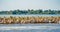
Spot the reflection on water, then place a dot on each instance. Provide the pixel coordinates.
(30, 28)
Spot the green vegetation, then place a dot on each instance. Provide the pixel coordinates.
(40, 11)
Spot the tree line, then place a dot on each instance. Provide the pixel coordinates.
(31, 11)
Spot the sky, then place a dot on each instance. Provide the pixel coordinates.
(29, 4)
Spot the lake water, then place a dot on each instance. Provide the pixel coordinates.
(32, 15)
(29, 27)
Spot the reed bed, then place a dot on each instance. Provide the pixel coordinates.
(29, 19)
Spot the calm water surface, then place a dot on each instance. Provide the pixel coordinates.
(33, 15)
(29, 27)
